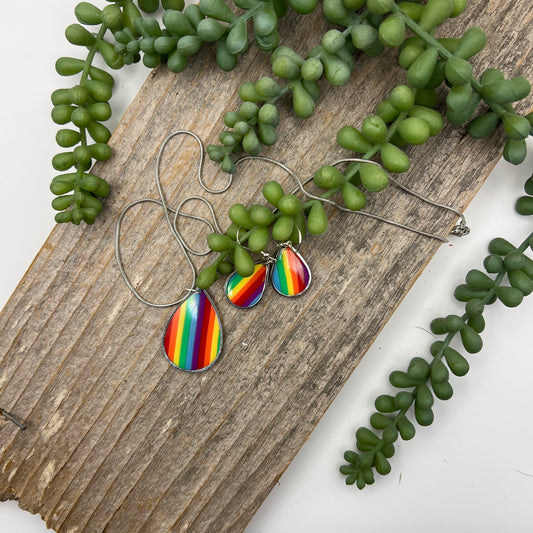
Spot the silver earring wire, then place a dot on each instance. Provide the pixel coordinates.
(290, 243)
(238, 241)
(459, 230)
(267, 258)
(172, 224)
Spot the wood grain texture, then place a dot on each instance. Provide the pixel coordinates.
(117, 439)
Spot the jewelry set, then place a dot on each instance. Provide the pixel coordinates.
(192, 340)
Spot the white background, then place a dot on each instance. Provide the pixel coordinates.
(471, 471)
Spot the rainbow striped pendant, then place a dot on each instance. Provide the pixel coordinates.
(291, 275)
(246, 292)
(193, 337)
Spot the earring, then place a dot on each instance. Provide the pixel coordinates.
(291, 275)
(245, 292)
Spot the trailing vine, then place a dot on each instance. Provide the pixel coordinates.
(86, 106)
(508, 277)
(369, 26)
(429, 63)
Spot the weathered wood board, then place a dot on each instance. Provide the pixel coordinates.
(117, 439)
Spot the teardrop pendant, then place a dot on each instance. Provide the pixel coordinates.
(193, 336)
(291, 275)
(246, 292)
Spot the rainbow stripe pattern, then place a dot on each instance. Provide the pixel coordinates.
(193, 338)
(291, 275)
(246, 292)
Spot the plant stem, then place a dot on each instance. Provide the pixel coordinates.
(497, 282)
(83, 81)
(91, 54)
(417, 30)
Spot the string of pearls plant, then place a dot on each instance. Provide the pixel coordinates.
(123, 35)
(507, 278)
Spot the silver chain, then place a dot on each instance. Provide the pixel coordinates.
(459, 230)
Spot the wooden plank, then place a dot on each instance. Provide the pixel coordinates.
(119, 440)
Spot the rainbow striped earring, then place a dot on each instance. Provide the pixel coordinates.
(291, 275)
(245, 292)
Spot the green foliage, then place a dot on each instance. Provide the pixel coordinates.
(124, 36)
(85, 104)
(127, 36)
(508, 278)
(407, 116)
(185, 31)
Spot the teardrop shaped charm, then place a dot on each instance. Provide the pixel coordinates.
(193, 337)
(246, 292)
(291, 275)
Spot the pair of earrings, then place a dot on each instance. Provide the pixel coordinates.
(192, 340)
(289, 273)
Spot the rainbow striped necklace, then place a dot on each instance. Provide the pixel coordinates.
(193, 336)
